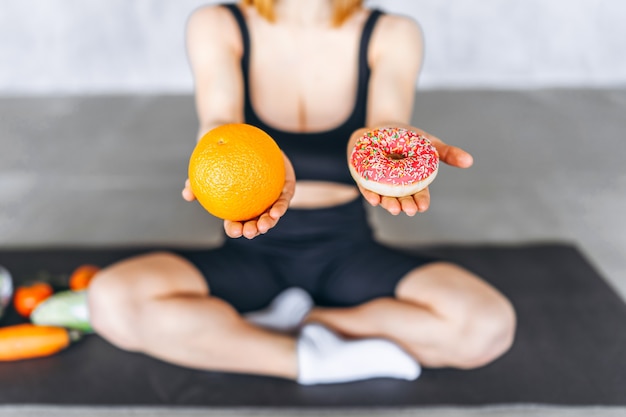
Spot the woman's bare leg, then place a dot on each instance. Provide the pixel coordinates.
(442, 314)
(159, 304)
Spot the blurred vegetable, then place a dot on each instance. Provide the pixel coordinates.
(25, 341)
(6, 289)
(82, 276)
(66, 309)
(27, 297)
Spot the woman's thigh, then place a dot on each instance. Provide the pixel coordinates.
(244, 280)
(449, 289)
(150, 275)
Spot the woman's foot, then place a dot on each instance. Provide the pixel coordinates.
(326, 358)
(286, 312)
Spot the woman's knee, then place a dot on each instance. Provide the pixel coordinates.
(486, 332)
(117, 294)
(478, 322)
(112, 308)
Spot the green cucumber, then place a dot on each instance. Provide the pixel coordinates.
(65, 309)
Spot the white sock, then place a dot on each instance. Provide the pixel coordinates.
(286, 312)
(325, 358)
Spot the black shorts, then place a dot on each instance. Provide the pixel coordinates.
(330, 252)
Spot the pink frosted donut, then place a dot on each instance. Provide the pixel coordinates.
(393, 162)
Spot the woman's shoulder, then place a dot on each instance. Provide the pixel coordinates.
(396, 31)
(393, 27)
(213, 23)
(208, 14)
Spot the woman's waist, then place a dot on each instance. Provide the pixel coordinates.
(347, 220)
(328, 209)
(322, 194)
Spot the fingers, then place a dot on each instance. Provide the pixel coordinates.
(370, 196)
(391, 204)
(422, 200)
(265, 223)
(282, 204)
(187, 193)
(454, 156)
(279, 208)
(233, 229)
(251, 228)
(411, 205)
(248, 229)
(451, 155)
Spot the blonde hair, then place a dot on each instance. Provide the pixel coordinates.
(342, 9)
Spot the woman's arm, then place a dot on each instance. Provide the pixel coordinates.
(214, 55)
(214, 62)
(214, 52)
(395, 59)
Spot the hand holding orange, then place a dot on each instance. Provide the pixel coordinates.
(236, 172)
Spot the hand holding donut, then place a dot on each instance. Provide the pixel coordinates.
(393, 166)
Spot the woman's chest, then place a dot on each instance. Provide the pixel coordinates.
(303, 79)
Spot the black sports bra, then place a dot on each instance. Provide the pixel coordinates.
(314, 155)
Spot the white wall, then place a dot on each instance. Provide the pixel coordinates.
(94, 46)
(521, 43)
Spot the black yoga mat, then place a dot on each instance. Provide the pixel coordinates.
(570, 348)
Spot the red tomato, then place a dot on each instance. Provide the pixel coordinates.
(27, 297)
(81, 277)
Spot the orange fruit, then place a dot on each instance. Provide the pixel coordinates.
(28, 296)
(82, 276)
(236, 171)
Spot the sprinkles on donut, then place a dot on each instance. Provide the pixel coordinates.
(393, 162)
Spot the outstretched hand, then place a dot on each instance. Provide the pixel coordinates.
(420, 201)
(261, 224)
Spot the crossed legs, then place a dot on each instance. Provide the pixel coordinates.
(159, 304)
(442, 314)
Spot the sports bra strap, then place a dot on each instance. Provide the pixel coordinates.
(368, 29)
(245, 36)
(366, 35)
(364, 67)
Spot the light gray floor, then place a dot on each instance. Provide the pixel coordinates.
(496, 411)
(108, 170)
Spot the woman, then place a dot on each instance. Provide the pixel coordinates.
(314, 75)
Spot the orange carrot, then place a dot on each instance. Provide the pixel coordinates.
(25, 341)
